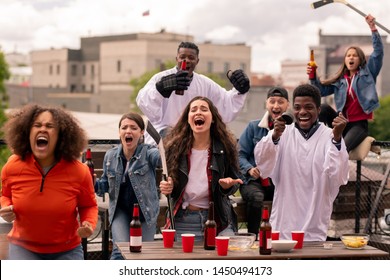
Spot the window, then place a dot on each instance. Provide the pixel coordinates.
(92, 88)
(118, 66)
(72, 88)
(58, 69)
(73, 70)
(84, 69)
(92, 70)
(210, 67)
(50, 69)
(83, 88)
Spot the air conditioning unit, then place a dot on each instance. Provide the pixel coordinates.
(385, 221)
(387, 217)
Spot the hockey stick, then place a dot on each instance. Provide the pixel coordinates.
(157, 137)
(321, 3)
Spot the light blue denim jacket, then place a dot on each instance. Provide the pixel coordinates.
(363, 84)
(252, 134)
(142, 174)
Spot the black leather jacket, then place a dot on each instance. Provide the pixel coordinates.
(224, 213)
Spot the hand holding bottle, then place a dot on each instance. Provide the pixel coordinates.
(312, 67)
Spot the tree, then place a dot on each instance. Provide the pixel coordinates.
(379, 128)
(139, 83)
(4, 75)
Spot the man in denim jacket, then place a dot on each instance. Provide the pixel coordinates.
(256, 189)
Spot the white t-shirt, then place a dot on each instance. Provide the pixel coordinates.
(196, 192)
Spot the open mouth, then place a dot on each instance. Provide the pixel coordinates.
(42, 142)
(199, 122)
(304, 119)
(276, 114)
(128, 139)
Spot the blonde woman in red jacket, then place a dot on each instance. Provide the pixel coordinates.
(46, 191)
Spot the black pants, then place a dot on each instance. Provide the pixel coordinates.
(353, 134)
(254, 194)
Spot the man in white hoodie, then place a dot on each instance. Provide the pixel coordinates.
(160, 102)
(307, 162)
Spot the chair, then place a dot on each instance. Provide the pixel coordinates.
(359, 154)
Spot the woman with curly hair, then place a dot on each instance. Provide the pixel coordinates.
(46, 191)
(202, 164)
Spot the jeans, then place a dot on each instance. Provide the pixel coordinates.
(17, 252)
(353, 134)
(187, 221)
(120, 230)
(254, 194)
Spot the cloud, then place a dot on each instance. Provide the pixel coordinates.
(275, 29)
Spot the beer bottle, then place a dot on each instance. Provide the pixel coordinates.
(183, 67)
(313, 65)
(89, 162)
(135, 231)
(210, 229)
(265, 240)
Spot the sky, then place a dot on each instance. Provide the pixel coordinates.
(276, 30)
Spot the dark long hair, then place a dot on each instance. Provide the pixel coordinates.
(343, 68)
(180, 139)
(72, 139)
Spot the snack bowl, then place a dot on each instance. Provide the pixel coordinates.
(355, 240)
(283, 246)
(241, 241)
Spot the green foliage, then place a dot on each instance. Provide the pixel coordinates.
(139, 83)
(379, 128)
(4, 75)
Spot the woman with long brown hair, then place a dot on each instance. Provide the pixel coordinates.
(203, 166)
(354, 89)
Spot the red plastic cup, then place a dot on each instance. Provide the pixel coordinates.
(275, 235)
(222, 244)
(168, 237)
(187, 241)
(298, 235)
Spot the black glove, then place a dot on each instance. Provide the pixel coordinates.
(239, 80)
(178, 81)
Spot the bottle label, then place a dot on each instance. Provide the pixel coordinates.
(135, 240)
(268, 239)
(210, 236)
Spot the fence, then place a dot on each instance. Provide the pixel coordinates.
(359, 207)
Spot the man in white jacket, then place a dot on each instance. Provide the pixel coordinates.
(163, 107)
(308, 162)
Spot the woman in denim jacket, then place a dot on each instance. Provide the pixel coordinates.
(129, 177)
(354, 89)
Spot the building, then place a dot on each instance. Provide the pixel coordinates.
(96, 77)
(329, 55)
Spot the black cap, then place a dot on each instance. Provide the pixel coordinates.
(278, 91)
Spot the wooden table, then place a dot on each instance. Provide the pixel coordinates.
(311, 250)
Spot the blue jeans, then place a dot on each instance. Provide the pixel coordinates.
(17, 252)
(120, 230)
(187, 221)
